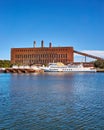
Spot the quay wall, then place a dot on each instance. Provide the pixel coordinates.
(12, 70)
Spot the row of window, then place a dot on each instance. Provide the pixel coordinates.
(37, 61)
(40, 50)
(42, 56)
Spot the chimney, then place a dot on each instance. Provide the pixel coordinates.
(50, 44)
(34, 44)
(42, 43)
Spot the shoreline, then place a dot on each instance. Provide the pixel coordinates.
(9, 70)
(99, 70)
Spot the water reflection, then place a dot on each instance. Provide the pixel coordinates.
(51, 101)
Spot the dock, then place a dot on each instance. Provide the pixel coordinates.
(12, 70)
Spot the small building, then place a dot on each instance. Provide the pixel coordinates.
(41, 55)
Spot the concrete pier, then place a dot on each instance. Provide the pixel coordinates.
(12, 70)
(100, 70)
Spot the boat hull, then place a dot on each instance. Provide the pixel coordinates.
(72, 70)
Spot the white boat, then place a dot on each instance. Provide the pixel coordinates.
(60, 67)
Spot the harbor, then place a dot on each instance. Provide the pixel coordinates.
(25, 60)
(10, 70)
(19, 71)
(51, 67)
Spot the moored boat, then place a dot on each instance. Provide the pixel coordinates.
(60, 67)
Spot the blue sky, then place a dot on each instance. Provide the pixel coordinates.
(77, 23)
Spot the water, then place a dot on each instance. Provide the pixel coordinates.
(52, 101)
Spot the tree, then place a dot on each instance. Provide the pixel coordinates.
(5, 63)
(99, 64)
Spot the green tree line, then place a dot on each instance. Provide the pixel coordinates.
(5, 63)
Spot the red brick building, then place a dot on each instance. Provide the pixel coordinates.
(41, 55)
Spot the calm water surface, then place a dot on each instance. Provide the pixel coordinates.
(52, 101)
